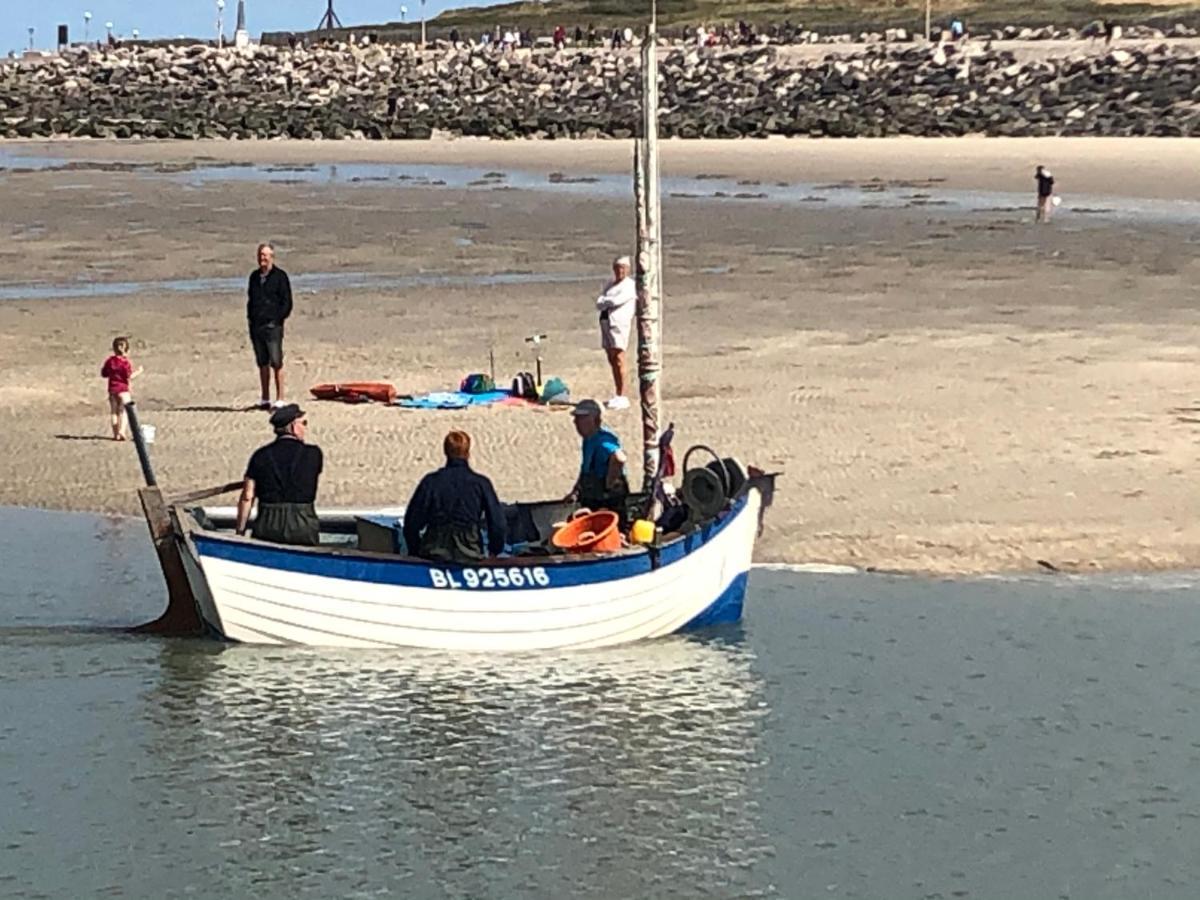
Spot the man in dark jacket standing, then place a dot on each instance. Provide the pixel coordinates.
(442, 520)
(269, 306)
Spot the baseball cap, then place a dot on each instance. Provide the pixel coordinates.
(286, 415)
(587, 407)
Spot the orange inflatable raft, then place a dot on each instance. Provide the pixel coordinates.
(355, 391)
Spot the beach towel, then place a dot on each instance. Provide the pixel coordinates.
(459, 400)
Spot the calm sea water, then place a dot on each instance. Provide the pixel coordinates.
(858, 736)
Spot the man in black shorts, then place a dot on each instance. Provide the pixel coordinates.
(269, 306)
(1045, 194)
(282, 476)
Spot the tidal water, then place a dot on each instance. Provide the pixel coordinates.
(311, 282)
(868, 193)
(858, 736)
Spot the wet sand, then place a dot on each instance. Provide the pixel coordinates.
(945, 390)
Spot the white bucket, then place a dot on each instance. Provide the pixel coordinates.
(148, 434)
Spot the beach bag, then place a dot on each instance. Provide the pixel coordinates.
(556, 391)
(524, 386)
(477, 383)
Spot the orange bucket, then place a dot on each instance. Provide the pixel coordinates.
(593, 533)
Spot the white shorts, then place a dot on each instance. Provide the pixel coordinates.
(614, 334)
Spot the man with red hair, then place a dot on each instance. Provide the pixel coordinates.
(444, 517)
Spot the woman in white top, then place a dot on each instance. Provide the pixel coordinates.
(617, 305)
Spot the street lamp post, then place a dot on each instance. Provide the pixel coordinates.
(30, 37)
(136, 34)
(403, 13)
(220, 24)
(422, 24)
(87, 21)
(108, 26)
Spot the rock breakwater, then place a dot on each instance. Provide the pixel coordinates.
(393, 92)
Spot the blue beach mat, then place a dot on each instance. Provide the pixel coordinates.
(452, 400)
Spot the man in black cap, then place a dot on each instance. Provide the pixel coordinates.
(283, 477)
(601, 483)
(442, 520)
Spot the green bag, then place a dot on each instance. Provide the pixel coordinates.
(477, 383)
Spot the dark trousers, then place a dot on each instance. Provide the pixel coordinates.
(287, 523)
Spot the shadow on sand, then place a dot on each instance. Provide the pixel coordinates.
(254, 407)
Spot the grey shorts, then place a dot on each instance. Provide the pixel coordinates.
(267, 341)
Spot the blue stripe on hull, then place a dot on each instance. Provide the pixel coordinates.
(725, 609)
(564, 571)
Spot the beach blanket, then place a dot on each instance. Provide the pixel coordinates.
(459, 400)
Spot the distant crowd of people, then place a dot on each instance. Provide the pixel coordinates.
(741, 33)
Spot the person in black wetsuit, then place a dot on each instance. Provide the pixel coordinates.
(282, 476)
(1045, 194)
(442, 520)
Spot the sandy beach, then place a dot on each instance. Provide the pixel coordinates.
(946, 387)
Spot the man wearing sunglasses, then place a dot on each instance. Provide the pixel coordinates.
(282, 476)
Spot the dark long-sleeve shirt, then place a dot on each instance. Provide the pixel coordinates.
(457, 497)
(270, 298)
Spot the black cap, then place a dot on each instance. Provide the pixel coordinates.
(285, 416)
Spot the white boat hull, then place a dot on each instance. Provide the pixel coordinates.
(268, 594)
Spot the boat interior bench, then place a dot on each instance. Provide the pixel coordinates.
(529, 526)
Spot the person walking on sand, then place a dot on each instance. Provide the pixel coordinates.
(120, 372)
(1045, 194)
(617, 303)
(270, 304)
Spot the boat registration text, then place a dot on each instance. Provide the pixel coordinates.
(488, 579)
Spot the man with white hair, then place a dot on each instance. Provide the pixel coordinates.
(617, 305)
(269, 305)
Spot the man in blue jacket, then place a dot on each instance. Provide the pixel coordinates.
(270, 303)
(442, 520)
(601, 483)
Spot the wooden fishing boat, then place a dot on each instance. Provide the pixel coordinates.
(360, 588)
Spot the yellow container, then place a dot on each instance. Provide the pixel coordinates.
(642, 532)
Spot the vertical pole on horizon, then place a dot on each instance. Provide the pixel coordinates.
(649, 257)
(220, 24)
(422, 24)
(928, 20)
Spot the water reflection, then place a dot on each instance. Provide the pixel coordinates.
(633, 768)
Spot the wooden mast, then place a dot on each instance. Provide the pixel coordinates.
(649, 258)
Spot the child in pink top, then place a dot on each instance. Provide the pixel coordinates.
(120, 372)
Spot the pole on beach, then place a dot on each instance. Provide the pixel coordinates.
(649, 258)
(928, 20)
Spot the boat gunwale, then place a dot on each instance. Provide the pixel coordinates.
(706, 530)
